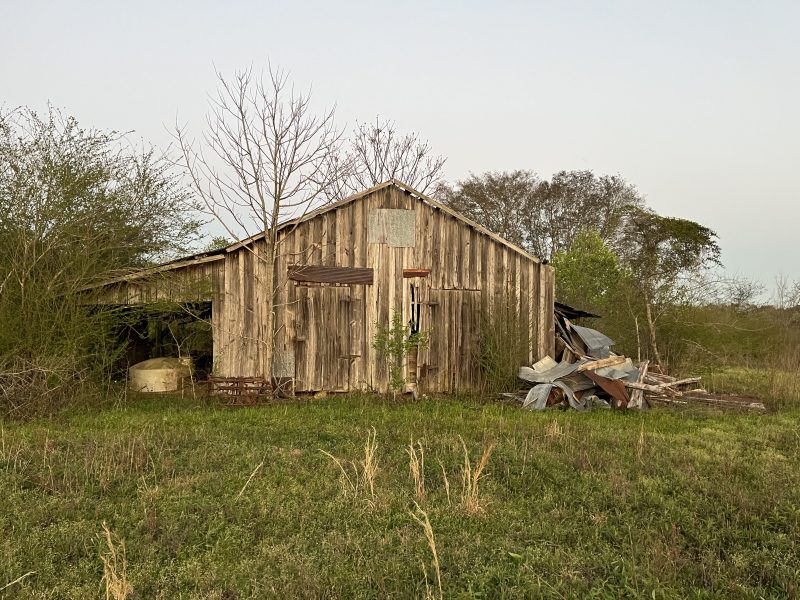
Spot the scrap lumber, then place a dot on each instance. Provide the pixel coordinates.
(637, 397)
(736, 402)
(581, 381)
(603, 362)
(686, 381)
(662, 387)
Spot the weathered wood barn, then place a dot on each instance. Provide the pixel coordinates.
(343, 270)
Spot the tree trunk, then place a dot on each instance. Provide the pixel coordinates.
(652, 328)
(268, 332)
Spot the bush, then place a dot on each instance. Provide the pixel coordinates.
(76, 206)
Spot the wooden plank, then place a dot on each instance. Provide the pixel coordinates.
(342, 300)
(550, 310)
(603, 362)
(358, 294)
(422, 249)
(677, 382)
(444, 359)
(635, 385)
(637, 397)
(542, 316)
(662, 386)
(144, 273)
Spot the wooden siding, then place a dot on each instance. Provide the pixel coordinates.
(330, 329)
(191, 283)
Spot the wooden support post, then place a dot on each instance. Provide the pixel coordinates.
(637, 397)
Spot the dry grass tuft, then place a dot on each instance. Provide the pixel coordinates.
(349, 486)
(421, 517)
(364, 471)
(115, 567)
(369, 467)
(416, 466)
(471, 477)
(554, 430)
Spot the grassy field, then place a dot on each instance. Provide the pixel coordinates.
(244, 503)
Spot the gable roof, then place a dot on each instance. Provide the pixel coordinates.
(386, 184)
(219, 254)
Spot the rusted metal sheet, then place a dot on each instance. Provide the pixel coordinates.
(407, 273)
(346, 275)
(613, 387)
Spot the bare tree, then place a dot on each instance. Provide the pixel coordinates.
(377, 152)
(262, 160)
(742, 293)
(500, 201)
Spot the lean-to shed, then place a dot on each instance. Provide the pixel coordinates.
(343, 270)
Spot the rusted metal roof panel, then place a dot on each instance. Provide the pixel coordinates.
(346, 275)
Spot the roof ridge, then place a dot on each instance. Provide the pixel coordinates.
(185, 260)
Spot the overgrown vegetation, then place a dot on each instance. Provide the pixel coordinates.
(503, 345)
(650, 277)
(704, 322)
(393, 345)
(242, 504)
(76, 206)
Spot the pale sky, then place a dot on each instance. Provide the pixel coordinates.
(696, 103)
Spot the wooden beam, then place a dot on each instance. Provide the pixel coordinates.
(637, 397)
(601, 363)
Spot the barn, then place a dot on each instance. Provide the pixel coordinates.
(342, 272)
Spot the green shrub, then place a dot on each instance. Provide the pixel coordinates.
(393, 345)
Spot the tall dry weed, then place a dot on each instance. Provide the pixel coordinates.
(640, 443)
(249, 479)
(416, 467)
(472, 476)
(363, 471)
(553, 430)
(369, 466)
(19, 579)
(421, 517)
(115, 566)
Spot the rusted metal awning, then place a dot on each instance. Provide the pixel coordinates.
(340, 275)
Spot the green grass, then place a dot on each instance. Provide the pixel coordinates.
(604, 505)
(778, 388)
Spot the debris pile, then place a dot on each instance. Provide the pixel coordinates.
(589, 375)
